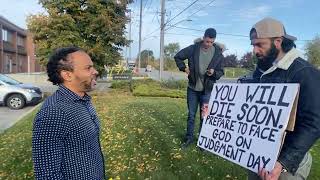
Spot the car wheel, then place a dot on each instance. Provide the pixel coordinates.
(15, 101)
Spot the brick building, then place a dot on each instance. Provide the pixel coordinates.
(16, 49)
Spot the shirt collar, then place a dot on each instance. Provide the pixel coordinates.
(71, 95)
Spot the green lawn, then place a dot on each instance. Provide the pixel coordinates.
(141, 137)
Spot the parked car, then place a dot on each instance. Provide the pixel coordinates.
(16, 95)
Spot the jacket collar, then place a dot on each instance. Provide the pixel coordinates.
(285, 62)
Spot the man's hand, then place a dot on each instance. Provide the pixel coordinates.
(187, 70)
(210, 72)
(204, 110)
(273, 175)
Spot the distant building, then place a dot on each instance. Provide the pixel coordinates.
(16, 49)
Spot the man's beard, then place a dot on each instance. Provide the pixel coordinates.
(265, 62)
(89, 86)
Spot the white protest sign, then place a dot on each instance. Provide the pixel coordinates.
(246, 122)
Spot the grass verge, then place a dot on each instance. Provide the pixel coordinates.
(140, 139)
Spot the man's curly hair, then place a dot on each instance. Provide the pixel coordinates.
(58, 61)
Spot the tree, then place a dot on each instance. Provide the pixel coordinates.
(248, 61)
(96, 26)
(170, 51)
(313, 51)
(230, 61)
(146, 58)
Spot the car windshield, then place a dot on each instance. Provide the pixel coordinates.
(8, 80)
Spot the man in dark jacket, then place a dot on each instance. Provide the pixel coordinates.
(204, 68)
(280, 62)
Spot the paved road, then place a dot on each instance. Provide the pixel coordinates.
(9, 117)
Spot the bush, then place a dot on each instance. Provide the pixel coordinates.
(175, 84)
(153, 88)
(146, 90)
(120, 85)
(149, 82)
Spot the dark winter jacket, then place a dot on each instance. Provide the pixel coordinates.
(293, 69)
(192, 53)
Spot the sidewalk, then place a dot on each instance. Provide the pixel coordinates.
(9, 117)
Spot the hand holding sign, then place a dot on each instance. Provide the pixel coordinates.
(210, 72)
(204, 111)
(187, 70)
(273, 175)
(243, 120)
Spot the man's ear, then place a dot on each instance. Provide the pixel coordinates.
(278, 42)
(66, 75)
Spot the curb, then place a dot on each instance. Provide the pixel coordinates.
(28, 112)
(21, 116)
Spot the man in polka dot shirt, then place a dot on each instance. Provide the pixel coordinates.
(65, 141)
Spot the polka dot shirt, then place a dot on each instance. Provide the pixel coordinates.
(65, 141)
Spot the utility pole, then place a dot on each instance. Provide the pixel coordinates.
(148, 56)
(140, 29)
(130, 23)
(162, 27)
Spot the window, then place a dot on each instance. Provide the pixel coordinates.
(21, 41)
(8, 80)
(9, 36)
(6, 35)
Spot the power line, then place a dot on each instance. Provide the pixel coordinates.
(152, 32)
(181, 11)
(227, 34)
(145, 4)
(182, 34)
(150, 4)
(174, 17)
(201, 8)
(186, 28)
(156, 13)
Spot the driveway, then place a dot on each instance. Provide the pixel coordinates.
(9, 117)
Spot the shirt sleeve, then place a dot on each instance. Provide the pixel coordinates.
(219, 69)
(49, 128)
(183, 55)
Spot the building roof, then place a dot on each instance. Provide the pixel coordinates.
(10, 26)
